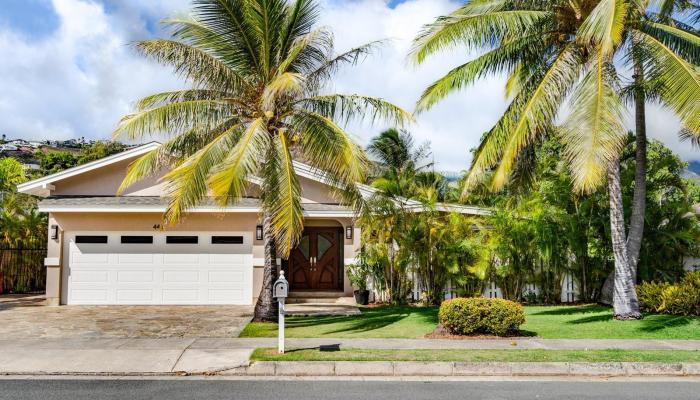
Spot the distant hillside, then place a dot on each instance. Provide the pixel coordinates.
(693, 171)
(694, 166)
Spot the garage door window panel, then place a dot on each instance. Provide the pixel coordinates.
(137, 239)
(182, 240)
(90, 239)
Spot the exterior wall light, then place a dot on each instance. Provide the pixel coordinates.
(259, 232)
(348, 232)
(54, 232)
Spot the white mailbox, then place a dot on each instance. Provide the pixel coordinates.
(280, 291)
(281, 288)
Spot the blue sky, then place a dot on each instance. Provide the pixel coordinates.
(67, 70)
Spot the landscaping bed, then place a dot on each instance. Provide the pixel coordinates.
(467, 355)
(547, 322)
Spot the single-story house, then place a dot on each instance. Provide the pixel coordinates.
(109, 249)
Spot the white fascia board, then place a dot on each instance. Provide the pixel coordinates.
(330, 214)
(446, 207)
(161, 209)
(43, 186)
(140, 209)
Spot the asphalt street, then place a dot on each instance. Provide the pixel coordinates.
(60, 389)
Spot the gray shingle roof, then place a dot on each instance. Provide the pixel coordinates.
(154, 201)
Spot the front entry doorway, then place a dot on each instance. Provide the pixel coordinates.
(315, 264)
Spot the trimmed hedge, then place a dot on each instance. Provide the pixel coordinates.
(682, 298)
(474, 315)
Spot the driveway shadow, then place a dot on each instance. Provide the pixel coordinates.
(10, 301)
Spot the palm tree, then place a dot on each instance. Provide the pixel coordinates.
(559, 49)
(258, 70)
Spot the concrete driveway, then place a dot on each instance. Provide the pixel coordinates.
(26, 317)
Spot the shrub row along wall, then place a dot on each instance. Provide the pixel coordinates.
(22, 270)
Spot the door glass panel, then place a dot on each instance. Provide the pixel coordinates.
(323, 246)
(304, 246)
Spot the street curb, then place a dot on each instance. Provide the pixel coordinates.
(513, 369)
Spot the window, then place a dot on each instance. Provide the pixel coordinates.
(91, 239)
(227, 240)
(137, 239)
(182, 239)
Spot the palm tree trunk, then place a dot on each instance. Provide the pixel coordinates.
(636, 231)
(266, 308)
(625, 303)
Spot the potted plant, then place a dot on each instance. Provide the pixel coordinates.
(358, 274)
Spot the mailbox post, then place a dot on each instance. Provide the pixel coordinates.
(280, 290)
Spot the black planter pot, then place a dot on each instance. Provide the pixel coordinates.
(361, 297)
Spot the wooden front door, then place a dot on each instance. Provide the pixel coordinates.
(315, 263)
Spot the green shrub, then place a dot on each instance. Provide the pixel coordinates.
(682, 298)
(650, 295)
(470, 315)
(358, 274)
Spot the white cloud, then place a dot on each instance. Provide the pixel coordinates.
(78, 81)
(81, 79)
(452, 127)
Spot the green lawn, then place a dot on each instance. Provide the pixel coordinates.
(466, 355)
(557, 322)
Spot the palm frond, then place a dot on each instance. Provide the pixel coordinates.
(178, 96)
(142, 167)
(307, 51)
(350, 57)
(684, 43)
(593, 134)
(605, 25)
(193, 32)
(488, 24)
(329, 148)
(500, 59)
(286, 84)
(344, 108)
(173, 119)
(228, 180)
(267, 18)
(230, 21)
(529, 114)
(301, 19)
(192, 63)
(681, 82)
(283, 196)
(187, 183)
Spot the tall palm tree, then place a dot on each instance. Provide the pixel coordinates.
(569, 49)
(258, 70)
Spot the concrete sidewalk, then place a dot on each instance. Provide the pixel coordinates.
(118, 356)
(485, 344)
(209, 355)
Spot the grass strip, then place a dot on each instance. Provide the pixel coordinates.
(548, 322)
(466, 355)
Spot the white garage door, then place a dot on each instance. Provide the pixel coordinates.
(158, 268)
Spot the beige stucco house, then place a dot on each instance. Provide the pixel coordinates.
(108, 249)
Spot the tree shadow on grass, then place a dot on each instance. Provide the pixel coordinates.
(658, 322)
(592, 318)
(573, 310)
(371, 319)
